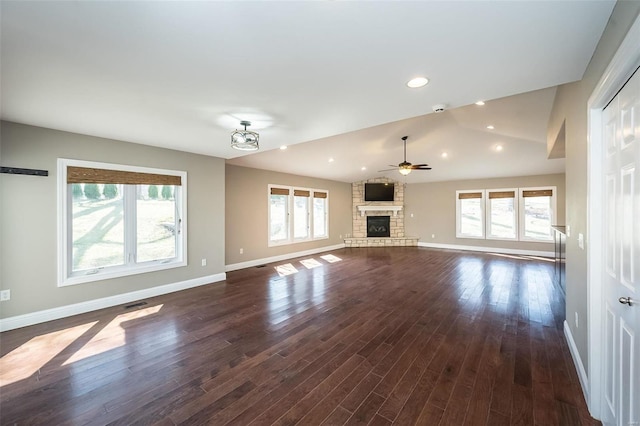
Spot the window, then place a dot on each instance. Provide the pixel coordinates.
(118, 220)
(526, 218)
(301, 214)
(278, 215)
(537, 213)
(320, 215)
(470, 214)
(297, 214)
(502, 214)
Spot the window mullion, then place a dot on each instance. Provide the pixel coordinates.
(130, 223)
(69, 228)
(291, 215)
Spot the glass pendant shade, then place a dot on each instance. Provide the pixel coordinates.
(404, 170)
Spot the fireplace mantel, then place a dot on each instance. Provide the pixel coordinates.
(364, 209)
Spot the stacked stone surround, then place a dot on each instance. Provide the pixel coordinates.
(396, 223)
(380, 242)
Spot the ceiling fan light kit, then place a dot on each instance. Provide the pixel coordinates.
(244, 140)
(404, 170)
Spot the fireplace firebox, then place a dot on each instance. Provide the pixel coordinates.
(378, 226)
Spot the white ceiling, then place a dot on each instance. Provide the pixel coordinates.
(326, 76)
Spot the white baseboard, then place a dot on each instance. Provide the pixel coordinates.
(256, 262)
(489, 249)
(577, 361)
(105, 302)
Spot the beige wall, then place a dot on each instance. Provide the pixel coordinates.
(570, 106)
(246, 213)
(29, 216)
(433, 206)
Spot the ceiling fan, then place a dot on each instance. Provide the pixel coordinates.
(405, 167)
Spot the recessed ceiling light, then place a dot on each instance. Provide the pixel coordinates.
(444, 155)
(283, 147)
(417, 82)
(363, 168)
(490, 127)
(331, 160)
(499, 148)
(480, 103)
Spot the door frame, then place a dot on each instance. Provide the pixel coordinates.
(621, 67)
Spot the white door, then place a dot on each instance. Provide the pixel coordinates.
(621, 315)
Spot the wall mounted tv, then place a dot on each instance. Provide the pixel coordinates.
(378, 192)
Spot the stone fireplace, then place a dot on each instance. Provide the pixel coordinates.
(365, 212)
(378, 226)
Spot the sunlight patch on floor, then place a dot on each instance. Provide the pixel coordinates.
(310, 263)
(112, 336)
(286, 269)
(330, 258)
(31, 356)
(524, 257)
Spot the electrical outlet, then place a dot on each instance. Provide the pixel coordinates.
(411, 214)
(568, 230)
(5, 295)
(576, 320)
(340, 236)
(241, 251)
(204, 262)
(581, 241)
(433, 235)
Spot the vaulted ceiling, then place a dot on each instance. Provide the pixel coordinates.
(325, 78)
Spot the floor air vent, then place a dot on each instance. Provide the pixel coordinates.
(135, 305)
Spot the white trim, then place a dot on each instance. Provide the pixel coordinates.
(488, 210)
(500, 250)
(290, 216)
(365, 209)
(65, 274)
(582, 373)
(105, 302)
(256, 262)
(624, 62)
(522, 214)
(459, 233)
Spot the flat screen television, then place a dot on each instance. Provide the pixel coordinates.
(378, 192)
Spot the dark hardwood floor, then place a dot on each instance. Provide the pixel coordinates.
(400, 335)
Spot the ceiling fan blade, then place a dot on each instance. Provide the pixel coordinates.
(388, 170)
(421, 168)
(417, 166)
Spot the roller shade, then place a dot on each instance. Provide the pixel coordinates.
(301, 193)
(91, 175)
(279, 191)
(469, 195)
(539, 193)
(319, 195)
(502, 194)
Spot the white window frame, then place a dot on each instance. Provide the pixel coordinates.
(516, 218)
(521, 228)
(291, 219)
(325, 218)
(459, 233)
(295, 217)
(287, 217)
(66, 276)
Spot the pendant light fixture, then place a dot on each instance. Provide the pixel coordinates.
(244, 140)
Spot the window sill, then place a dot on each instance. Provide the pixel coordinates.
(117, 272)
(470, 237)
(287, 243)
